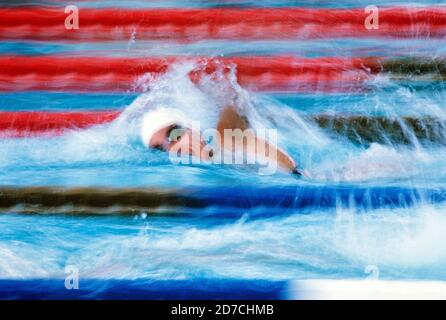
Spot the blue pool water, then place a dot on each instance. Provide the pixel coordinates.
(403, 243)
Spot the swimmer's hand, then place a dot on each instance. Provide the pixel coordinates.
(299, 173)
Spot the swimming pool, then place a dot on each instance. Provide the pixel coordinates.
(323, 242)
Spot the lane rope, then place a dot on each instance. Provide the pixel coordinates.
(357, 128)
(41, 23)
(276, 73)
(274, 199)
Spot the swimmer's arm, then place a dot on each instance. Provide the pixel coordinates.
(231, 119)
(276, 154)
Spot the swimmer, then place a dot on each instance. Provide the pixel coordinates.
(168, 129)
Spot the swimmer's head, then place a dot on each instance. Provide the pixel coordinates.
(157, 123)
(164, 127)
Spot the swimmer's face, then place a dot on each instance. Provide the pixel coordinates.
(179, 137)
(166, 137)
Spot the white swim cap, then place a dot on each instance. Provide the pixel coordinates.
(159, 118)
